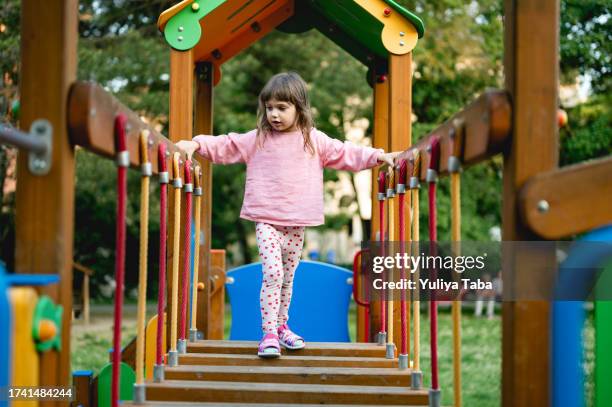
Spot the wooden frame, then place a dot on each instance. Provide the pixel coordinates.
(531, 78)
(487, 125)
(44, 232)
(91, 115)
(552, 204)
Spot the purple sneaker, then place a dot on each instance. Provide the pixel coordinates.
(290, 340)
(269, 347)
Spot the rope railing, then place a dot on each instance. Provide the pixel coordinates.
(382, 194)
(454, 168)
(390, 348)
(177, 183)
(158, 368)
(139, 386)
(123, 162)
(188, 190)
(197, 193)
(432, 178)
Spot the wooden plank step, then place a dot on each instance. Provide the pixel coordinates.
(241, 392)
(303, 375)
(311, 349)
(305, 361)
(214, 404)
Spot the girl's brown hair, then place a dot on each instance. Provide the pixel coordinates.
(286, 87)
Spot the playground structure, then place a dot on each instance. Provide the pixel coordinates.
(519, 122)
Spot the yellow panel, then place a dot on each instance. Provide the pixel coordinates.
(395, 25)
(25, 357)
(171, 12)
(151, 345)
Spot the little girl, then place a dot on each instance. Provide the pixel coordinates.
(285, 156)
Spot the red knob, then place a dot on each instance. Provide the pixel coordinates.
(387, 11)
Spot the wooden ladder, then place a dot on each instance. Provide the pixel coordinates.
(229, 373)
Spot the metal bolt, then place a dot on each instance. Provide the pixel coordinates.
(402, 33)
(167, 153)
(401, 43)
(181, 29)
(92, 112)
(543, 206)
(195, 6)
(180, 38)
(151, 142)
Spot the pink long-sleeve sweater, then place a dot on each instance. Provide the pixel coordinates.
(284, 183)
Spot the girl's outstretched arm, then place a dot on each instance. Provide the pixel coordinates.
(346, 155)
(226, 149)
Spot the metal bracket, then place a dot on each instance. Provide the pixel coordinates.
(40, 163)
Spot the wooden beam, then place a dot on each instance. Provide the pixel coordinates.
(220, 359)
(400, 138)
(355, 376)
(181, 128)
(569, 200)
(380, 139)
(91, 118)
(531, 62)
(172, 390)
(488, 122)
(204, 114)
(216, 320)
(313, 348)
(44, 220)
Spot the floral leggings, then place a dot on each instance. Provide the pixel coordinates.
(280, 249)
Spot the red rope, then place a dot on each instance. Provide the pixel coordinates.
(163, 225)
(433, 238)
(120, 138)
(402, 238)
(187, 252)
(382, 189)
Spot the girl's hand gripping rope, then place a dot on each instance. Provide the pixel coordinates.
(188, 146)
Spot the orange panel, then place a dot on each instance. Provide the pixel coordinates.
(228, 28)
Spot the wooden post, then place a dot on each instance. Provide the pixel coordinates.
(380, 139)
(204, 125)
(181, 125)
(44, 219)
(400, 138)
(531, 66)
(85, 310)
(217, 295)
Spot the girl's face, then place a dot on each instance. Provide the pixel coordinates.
(281, 115)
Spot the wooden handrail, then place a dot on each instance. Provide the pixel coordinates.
(87, 272)
(486, 132)
(91, 114)
(568, 200)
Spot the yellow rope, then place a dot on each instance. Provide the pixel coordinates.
(456, 307)
(142, 274)
(196, 254)
(391, 223)
(407, 244)
(175, 252)
(455, 179)
(415, 238)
